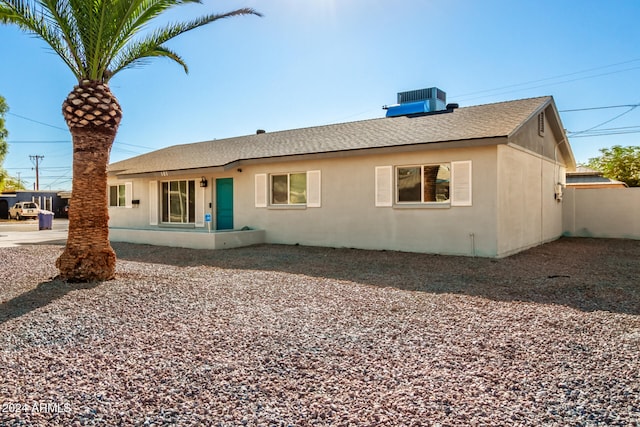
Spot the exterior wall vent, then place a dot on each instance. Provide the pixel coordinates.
(541, 123)
(420, 101)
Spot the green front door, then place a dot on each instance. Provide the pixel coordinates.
(224, 204)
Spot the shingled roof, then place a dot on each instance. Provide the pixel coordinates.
(469, 123)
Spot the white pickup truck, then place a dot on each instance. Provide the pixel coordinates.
(23, 210)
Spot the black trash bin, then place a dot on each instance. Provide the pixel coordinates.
(45, 220)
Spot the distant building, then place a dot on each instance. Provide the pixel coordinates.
(54, 201)
(584, 177)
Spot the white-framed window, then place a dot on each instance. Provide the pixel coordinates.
(288, 189)
(120, 195)
(438, 184)
(117, 196)
(178, 204)
(423, 183)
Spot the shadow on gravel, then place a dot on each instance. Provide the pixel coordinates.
(58, 242)
(41, 296)
(587, 274)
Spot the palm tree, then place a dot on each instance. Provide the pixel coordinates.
(96, 39)
(3, 142)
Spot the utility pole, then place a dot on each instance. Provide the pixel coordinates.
(36, 160)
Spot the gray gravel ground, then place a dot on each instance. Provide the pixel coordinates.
(280, 335)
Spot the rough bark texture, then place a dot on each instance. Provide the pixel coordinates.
(93, 115)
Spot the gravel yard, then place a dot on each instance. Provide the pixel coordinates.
(284, 335)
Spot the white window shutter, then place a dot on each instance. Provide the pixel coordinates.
(261, 190)
(128, 194)
(461, 188)
(384, 186)
(200, 195)
(153, 202)
(314, 193)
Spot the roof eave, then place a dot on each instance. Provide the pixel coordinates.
(563, 143)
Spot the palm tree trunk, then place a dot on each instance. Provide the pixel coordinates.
(93, 115)
(430, 181)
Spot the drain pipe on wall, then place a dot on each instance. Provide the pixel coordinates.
(472, 237)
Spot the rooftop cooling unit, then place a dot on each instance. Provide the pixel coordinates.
(419, 101)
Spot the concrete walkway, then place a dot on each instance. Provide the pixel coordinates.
(20, 233)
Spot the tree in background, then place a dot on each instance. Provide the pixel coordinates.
(97, 39)
(619, 163)
(7, 182)
(12, 184)
(3, 141)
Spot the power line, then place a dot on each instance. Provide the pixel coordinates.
(607, 121)
(596, 134)
(42, 168)
(553, 84)
(69, 142)
(122, 150)
(599, 108)
(616, 129)
(604, 134)
(37, 121)
(550, 78)
(66, 175)
(46, 176)
(39, 142)
(36, 159)
(135, 145)
(63, 141)
(594, 131)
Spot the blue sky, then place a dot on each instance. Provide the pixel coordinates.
(315, 62)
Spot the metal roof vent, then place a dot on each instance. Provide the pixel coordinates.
(419, 101)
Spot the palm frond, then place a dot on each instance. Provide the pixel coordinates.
(97, 38)
(133, 16)
(139, 53)
(128, 57)
(42, 22)
(61, 16)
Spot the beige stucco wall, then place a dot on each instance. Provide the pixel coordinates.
(138, 216)
(528, 212)
(349, 218)
(131, 217)
(602, 212)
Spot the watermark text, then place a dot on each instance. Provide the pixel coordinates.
(35, 407)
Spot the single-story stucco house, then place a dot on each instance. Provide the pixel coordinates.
(483, 180)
